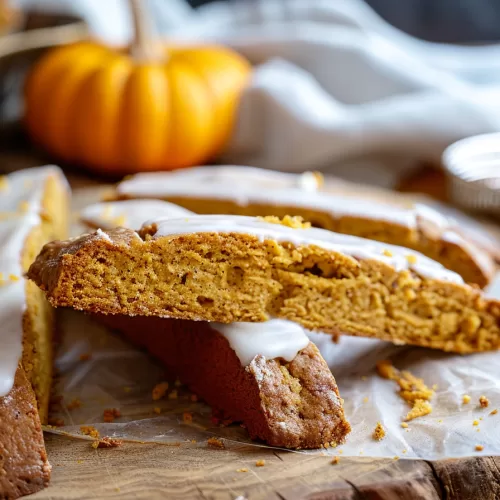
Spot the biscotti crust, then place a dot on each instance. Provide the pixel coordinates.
(286, 404)
(24, 468)
(236, 277)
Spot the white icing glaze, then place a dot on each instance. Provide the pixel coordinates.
(129, 213)
(21, 197)
(398, 257)
(249, 185)
(275, 338)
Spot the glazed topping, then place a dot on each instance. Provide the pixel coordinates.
(398, 257)
(276, 338)
(260, 186)
(20, 209)
(129, 213)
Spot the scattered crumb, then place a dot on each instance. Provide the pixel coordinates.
(13, 277)
(110, 414)
(159, 390)
(387, 253)
(244, 469)
(419, 409)
(193, 441)
(89, 430)
(365, 399)
(379, 432)
(434, 387)
(484, 402)
(74, 404)
(476, 422)
(157, 410)
(335, 460)
(395, 458)
(187, 417)
(107, 442)
(56, 422)
(173, 394)
(493, 412)
(440, 421)
(412, 259)
(465, 399)
(85, 356)
(361, 452)
(479, 447)
(79, 462)
(194, 398)
(404, 425)
(412, 389)
(340, 452)
(214, 442)
(404, 451)
(260, 463)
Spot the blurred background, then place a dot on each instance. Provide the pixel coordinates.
(372, 91)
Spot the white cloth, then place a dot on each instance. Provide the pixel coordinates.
(333, 82)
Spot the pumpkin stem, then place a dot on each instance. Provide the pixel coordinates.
(143, 46)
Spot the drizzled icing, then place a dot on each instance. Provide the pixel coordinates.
(128, 213)
(276, 338)
(398, 257)
(249, 185)
(20, 211)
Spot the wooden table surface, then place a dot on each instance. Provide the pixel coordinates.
(197, 471)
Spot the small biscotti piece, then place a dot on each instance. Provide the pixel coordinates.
(24, 467)
(253, 191)
(267, 376)
(233, 268)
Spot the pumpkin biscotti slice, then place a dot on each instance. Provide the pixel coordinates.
(234, 268)
(268, 376)
(252, 191)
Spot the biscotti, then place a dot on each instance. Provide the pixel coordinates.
(33, 210)
(244, 269)
(24, 467)
(267, 376)
(252, 191)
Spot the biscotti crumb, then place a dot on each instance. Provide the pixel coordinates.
(214, 442)
(475, 422)
(493, 412)
(110, 414)
(159, 390)
(89, 430)
(335, 460)
(420, 408)
(187, 417)
(412, 389)
(74, 404)
(293, 222)
(243, 469)
(107, 442)
(379, 432)
(465, 399)
(404, 425)
(260, 463)
(484, 401)
(173, 394)
(157, 410)
(13, 277)
(479, 447)
(56, 422)
(85, 356)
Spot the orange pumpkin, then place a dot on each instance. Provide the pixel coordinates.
(152, 107)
